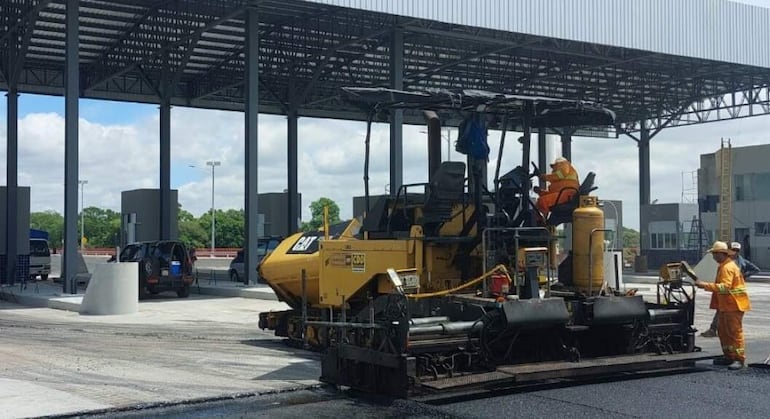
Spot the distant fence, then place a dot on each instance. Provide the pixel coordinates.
(222, 252)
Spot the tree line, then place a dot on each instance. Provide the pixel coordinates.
(102, 226)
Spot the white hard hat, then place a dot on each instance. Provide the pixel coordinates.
(735, 246)
(559, 160)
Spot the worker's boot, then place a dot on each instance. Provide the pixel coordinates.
(710, 333)
(722, 361)
(736, 365)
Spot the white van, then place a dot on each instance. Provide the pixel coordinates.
(39, 259)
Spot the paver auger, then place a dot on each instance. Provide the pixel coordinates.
(449, 284)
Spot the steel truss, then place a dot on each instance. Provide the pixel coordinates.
(192, 53)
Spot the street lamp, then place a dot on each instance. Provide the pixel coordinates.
(213, 164)
(82, 184)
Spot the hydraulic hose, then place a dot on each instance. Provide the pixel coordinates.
(499, 268)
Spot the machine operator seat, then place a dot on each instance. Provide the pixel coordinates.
(562, 213)
(443, 192)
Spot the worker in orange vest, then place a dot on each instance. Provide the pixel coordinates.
(562, 177)
(731, 300)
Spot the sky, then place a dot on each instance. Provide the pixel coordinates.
(119, 151)
(762, 3)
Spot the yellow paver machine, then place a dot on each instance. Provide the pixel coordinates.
(449, 285)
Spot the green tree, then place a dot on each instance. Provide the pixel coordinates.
(183, 215)
(229, 227)
(630, 237)
(630, 244)
(102, 226)
(50, 221)
(317, 213)
(190, 231)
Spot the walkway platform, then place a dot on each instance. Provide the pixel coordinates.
(49, 294)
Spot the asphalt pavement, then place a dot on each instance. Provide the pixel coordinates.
(204, 357)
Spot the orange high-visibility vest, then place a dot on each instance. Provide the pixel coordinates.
(729, 289)
(563, 176)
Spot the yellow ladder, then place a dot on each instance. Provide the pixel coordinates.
(725, 191)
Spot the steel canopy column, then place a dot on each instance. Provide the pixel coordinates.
(566, 152)
(542, 163)
(397, 116)
(71, 171)
(566, 145)
(12, 183)
(644, 183)
(165, 166)
(526, 145)
(251, 115)
(291, 159)
(644, 165)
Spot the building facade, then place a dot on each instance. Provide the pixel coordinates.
(273, 207)
(750, 191)
(669, 233)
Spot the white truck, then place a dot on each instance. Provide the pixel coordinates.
(39, 255)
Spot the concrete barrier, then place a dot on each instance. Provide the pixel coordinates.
(113, 289)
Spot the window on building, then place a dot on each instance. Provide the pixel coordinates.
(670, 241)
(760, 187)
(741, 187)
(663, 241)
(752, 187)
(762, 229)
(663, 234)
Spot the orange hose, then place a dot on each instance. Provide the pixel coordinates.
(498, 268)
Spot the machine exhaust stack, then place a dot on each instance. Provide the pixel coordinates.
(434, 142)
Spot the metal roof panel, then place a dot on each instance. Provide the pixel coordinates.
(707, 29)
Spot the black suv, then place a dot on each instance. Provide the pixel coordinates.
(265, 245)
(163, 266)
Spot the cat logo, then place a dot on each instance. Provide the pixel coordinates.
(358, 262)
(303, 244)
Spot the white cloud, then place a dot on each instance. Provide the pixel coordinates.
(121, 157)
(761, 3)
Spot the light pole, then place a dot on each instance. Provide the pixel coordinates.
(213, 164)
(82, 184)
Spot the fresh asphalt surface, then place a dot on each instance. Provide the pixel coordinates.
(711, 393)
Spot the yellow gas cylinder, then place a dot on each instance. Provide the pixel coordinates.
(588, 218)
